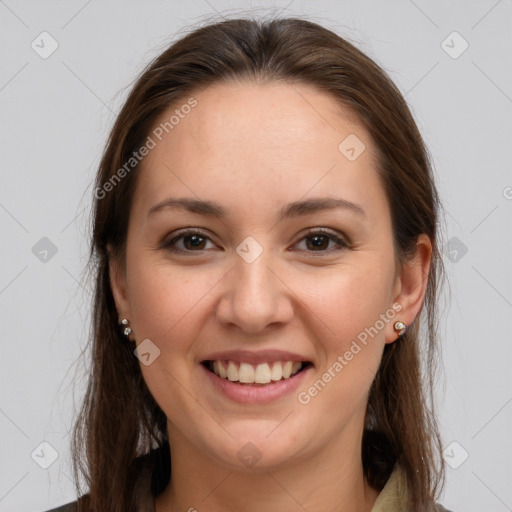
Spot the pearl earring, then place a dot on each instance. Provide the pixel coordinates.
(399, 327)
(126, 330)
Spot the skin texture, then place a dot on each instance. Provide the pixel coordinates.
(253, 148)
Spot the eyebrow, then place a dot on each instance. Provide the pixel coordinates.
(295, 209)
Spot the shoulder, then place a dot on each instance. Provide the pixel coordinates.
(395, 493)
(151, 474)
(68, 507)
(72, 506)
(440, 508)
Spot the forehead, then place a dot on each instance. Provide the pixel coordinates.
(263, 143)
(261, 120)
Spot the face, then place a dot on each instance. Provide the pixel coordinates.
(252, 281)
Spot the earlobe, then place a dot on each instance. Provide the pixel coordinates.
(412, 285)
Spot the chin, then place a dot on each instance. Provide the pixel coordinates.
(258, 447)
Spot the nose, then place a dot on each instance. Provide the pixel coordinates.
(255, 297)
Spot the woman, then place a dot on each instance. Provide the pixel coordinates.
(265, 245)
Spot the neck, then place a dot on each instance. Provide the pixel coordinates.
(330, 481)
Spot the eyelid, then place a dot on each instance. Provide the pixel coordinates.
(180, 234)
(341, 240)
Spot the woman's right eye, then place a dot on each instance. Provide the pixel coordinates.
(192, 241)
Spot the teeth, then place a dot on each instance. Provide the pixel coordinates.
(222, 371)
(246, 373)
(277, 371)
(232, 371)
(261, 373)
(287, 369)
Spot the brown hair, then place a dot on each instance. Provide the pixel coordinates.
(119, 419)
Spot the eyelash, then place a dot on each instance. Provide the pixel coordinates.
(170, 245)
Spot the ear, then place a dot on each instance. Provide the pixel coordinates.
(117, 275)
(411, 285)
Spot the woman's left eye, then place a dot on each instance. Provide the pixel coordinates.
(195, 241)
(320, 239)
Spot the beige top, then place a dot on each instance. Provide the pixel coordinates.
(393, 497)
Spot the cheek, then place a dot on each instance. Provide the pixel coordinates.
(169, 306)
(349, 299)
(165, 299)
(353, 312)
(171, 301)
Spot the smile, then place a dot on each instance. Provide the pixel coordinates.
(254, 383)
(263, 373)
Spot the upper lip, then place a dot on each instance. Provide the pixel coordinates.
(255, 357)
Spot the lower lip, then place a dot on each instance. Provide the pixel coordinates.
(245, 393)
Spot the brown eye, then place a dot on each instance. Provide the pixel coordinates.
(187, 241)
(193, 242)
(319, 240)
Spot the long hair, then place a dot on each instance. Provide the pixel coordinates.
(119, 420)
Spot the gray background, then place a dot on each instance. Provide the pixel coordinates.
(57, 112)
